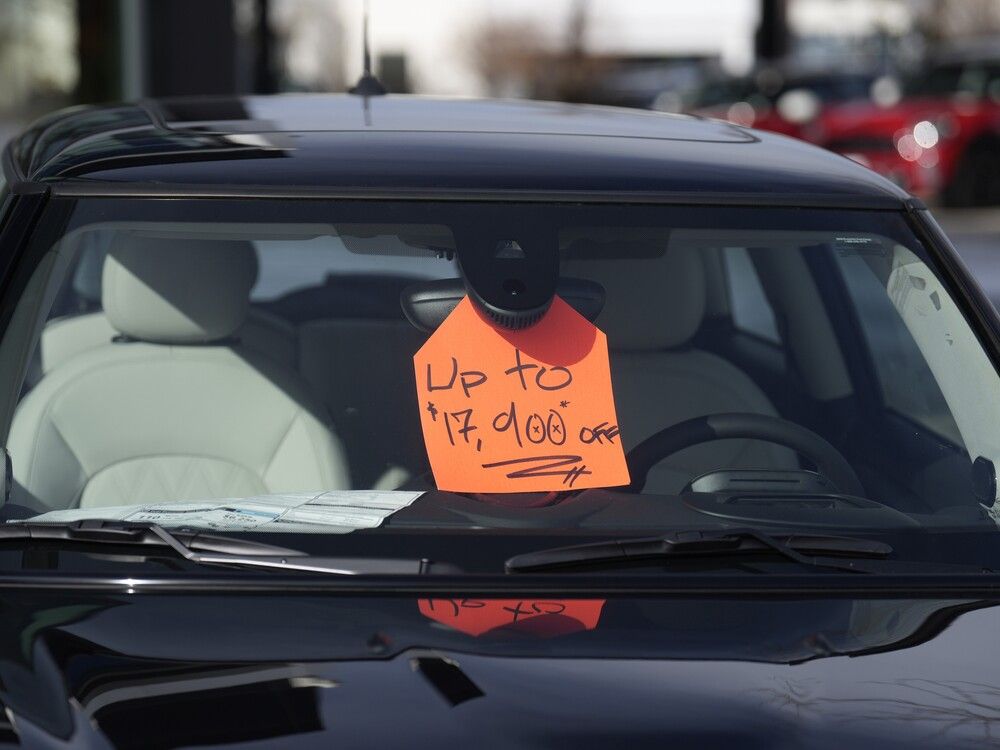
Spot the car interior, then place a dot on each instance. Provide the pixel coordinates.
(175, 366)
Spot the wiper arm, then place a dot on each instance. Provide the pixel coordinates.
(209, 549)
(716, 543)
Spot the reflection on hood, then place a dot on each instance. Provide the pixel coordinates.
(185, 670)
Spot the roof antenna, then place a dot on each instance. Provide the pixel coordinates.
(368, 84)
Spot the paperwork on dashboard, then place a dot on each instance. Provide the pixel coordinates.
(336, 512)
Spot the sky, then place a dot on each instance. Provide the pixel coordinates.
(430, 32)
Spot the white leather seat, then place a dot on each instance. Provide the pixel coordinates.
(654, 306)
(64, 338)
(176, 410)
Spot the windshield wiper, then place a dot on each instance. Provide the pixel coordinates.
(709, 544)
(209, 549)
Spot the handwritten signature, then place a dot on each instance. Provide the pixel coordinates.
(569, 467)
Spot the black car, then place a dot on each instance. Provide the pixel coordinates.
(223, 524)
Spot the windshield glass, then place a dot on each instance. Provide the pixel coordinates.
(233, 365)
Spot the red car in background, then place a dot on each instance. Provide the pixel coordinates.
(794, 104)
(940, 140)
(936, 134)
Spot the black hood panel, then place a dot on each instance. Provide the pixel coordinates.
(164, 671)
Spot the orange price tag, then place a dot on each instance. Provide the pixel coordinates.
(519, 411)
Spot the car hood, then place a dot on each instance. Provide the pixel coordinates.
(165, 670)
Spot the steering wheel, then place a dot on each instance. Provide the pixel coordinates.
(828, 460)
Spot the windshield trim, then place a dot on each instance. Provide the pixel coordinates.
(831, 585)
(844, 201)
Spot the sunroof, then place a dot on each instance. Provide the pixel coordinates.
(314, 113)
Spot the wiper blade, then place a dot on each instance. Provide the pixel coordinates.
(209, 549)
(801, 548)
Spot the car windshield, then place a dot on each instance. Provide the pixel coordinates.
(233, 365)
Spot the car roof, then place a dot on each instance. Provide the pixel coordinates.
(340, 144)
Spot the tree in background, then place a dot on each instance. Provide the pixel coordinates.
(944, 22)
(31, 82)
(309, 42)
(521, 58)
(507, 54)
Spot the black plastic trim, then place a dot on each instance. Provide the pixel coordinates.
(19, 224)
(17, 183)
(831, 585)
(705, 198)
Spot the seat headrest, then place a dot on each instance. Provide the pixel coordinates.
(173, 291)
(651, 303)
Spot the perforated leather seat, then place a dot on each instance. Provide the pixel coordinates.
(176, 411)
(654, 306)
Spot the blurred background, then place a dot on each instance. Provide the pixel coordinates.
(909, 88)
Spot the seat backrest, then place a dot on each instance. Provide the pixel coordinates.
(174, 409)
(654, 307)
(363, 372)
